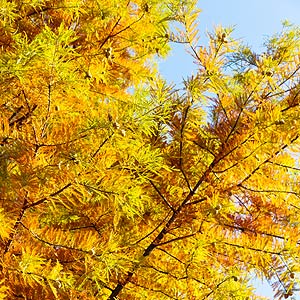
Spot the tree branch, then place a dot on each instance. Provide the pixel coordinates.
(161, 195)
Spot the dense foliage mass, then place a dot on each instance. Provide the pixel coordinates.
(114, 185)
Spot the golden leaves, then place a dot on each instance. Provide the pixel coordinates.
(120, 185)
(4, 127)
(6, 225)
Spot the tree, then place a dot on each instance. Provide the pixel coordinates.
(115, 185)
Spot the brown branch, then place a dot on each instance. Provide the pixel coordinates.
(223, 108)
(217, 286)
(101, 145)
(25, 206)
(161, 235)
(161, 195)
(204, 148)
(54, 245)
(97, 189)
(127, 27)
(241, 112)
(268, 160)
(245, 229)
(252, 248)
(287, 79)
(267, 191)
(23, 118)
(14, 229)
(49, 102)
(46, 198)
(181, 147)
(60, 144)
(196, 201)
(236, 147)
(15, 113)
(163, 232)
(111, 34)
(177, 239)
(171, 255)
(284, 166)
(242, 159)
(152, 231)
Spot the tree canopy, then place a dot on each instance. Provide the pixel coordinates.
(115, 184)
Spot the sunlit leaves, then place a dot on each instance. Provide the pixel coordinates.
(7, 12)
(6, 225)
(116, 184)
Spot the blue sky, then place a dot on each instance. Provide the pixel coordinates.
(254, 22)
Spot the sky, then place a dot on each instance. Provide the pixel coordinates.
(254, 22)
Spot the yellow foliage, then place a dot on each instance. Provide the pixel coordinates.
(114, 184)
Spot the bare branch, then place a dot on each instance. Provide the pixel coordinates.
(161, 195)
(29, 205)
